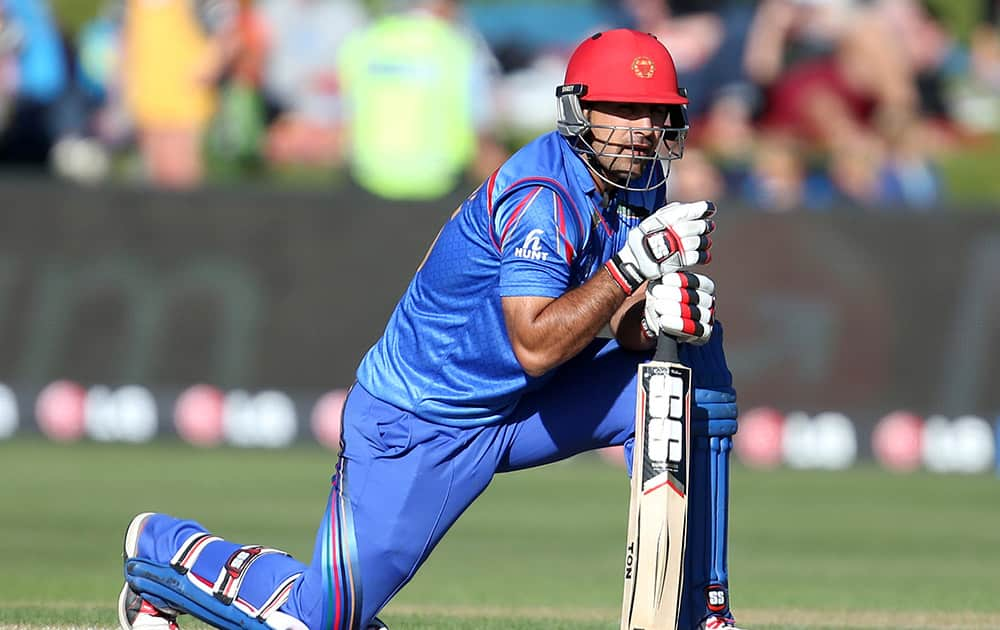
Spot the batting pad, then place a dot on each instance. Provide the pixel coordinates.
(180, 591)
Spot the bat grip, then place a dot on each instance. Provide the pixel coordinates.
(666, 349)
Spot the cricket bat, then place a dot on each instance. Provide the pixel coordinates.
(657, 521)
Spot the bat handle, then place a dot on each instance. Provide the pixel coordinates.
(666, 349)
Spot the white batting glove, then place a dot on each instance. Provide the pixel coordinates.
(681, 305)
(672, 238)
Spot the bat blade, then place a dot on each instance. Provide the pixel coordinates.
(657, 527)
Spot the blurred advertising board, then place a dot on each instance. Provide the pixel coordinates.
(253, 290)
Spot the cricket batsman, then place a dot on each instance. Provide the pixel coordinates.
(491, 362)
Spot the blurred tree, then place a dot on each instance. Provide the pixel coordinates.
(961, 16)
(72, 14)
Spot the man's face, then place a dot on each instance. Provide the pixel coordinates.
(624, 134)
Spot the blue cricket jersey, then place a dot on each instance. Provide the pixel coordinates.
(536, 227)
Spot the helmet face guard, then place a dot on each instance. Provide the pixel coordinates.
(623, 66)
(572, 122)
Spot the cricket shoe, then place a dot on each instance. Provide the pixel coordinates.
(134, 612)
(716, 622)
(377, 624)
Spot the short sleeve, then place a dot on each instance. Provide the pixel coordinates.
(537, 243)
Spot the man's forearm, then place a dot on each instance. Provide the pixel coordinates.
(567, 324)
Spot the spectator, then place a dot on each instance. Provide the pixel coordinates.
(930, 51)
(976, 103)
(907, 177)
(727, 136)
(10, 43)
(97, 46)
(300, 77)
(704, 38)
(779, 181)
(174, 52)
(857, 107)
(697, 176)
(784, 33)
(235, 136)
(420, 88)
(34, 77)
(938, 63)
(99, 53)
(80, 151)
(986, 46)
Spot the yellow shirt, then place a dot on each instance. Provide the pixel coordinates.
(165, 49)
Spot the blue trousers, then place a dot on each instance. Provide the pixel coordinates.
(401, 482)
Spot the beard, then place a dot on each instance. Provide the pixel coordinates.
(623, 168)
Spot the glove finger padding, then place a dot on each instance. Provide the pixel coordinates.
(699, 243)
(694, 228)
(685, 259)
(670, 301)
(686, 331)
(675, 212)
(681, 305)
(688, 280)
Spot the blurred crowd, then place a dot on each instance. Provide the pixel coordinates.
(795, 104)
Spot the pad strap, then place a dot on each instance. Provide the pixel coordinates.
(231, 575)
(277, 599)
(188, 554)
(227, 585)
(714, 395)
(714, 412)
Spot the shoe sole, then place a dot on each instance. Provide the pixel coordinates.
(130, 548)
(122, 618)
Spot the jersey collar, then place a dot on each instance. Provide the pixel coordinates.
(575, 164)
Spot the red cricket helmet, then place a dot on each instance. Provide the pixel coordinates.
(622, 66)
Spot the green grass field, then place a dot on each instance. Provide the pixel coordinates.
(541, 549)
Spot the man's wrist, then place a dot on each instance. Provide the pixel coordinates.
(618, 271)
